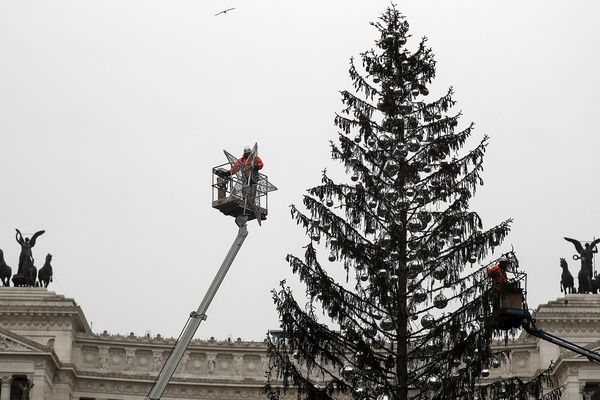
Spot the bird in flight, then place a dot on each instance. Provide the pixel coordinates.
(224, 11)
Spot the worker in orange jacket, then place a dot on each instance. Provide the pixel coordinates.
(246, 160)
(498, 271)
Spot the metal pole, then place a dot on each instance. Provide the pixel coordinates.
(199, 315)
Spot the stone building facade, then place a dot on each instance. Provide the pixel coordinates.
(49, 352)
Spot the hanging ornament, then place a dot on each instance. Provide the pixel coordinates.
(391, 168)
(424, 216)
(347, 371)
(359, 392)
(356, 220)
(329, 203)
(364, 277)
(456, 239)
(382, 211)
(455, 362)
(424, 90)
(370, 331)
(371, 142)
(439, 273)
(485, 373)
(440, 301)
(427, 169)
(296, 355)
(413, 145)
(382, 274)
(413, 245)
(472, 259)
(376, 79)
(443, 193)
(405, 108)
(332, 257)
(419, 295)
(414, 226)
(434, 382)
(357, 139)
(315, 237)
(394, 279)
(359, 267)
(427, 321)
(385, 141)
(354, 178)
(496, 363)
(386, 324)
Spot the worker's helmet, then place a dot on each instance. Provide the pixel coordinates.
(247, 150)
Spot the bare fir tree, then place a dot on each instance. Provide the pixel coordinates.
(415, 315)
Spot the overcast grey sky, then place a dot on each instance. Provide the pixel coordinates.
(113, 112)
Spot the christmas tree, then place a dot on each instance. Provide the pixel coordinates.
(415, 314)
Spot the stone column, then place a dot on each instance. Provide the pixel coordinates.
(6, 381)
(572, 390)
(37, 388)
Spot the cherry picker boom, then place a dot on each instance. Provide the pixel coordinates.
(239, 195)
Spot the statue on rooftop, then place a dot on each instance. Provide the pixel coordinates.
(5, 271)
(26, 256)
(27, 273)
(586, 255)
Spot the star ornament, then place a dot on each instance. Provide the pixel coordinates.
(250, 184)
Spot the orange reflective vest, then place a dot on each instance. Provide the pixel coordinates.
(245, 161)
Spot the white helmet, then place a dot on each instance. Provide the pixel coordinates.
(247, 149)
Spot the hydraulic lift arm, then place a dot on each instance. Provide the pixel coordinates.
(532, 330)
(196, 317)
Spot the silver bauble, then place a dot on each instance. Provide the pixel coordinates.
(354, 178)
(359, 392)
(382, 273)
(419, 295)
(357, 139)
(414, 145)
(427, 321)
(472, 259)
(391, 168)
(427, 169)
(332, 257)
(439, 273)
(347, 371)
(414, 226)
(364, 277)
(394, 279)
(296, 355)
(385, 141)
(329, 203)
(386, 324)
(372, 204)
(485, 373)
(315, 237)
(496, 363)
(440, 301)
(456, 240)
(434, 382)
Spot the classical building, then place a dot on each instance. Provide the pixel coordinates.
(49, 352)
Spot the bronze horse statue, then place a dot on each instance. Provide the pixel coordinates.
(45, 273)
(567, 283)
(5, 271)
